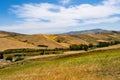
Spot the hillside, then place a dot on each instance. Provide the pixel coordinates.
(64, 40)
(9, 40)
(95, 65)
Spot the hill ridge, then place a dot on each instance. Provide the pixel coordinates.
(10, 40)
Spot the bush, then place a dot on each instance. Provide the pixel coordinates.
(90, 45)
(103, 44)
(60, 39)
(85, 47)
(116, 42)
(42, 53)
(42, 46)
(79, 47)
(1, 55)
(9, 58)
(19, 55)
(74, 47)
(19, 58)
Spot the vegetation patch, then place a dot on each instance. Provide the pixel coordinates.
(96, 65)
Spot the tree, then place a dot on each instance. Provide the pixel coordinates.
(74, 47)
(86, 47)
(43, 52)
(9, 58)
(81, 46)
(103, 44)
(1, 55)
(116, 42)
(90, 45)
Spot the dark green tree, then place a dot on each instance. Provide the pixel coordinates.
(9, 58)
(90, 45)
(74, 47)
(1, 55)
(86, 47)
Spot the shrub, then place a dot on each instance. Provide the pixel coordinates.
(116, 42)
(19, 55)
(74, 47)
(1, 55)
(85, 47)
(60, 39)
(9, 58)
(42, 53)
(79, 47)
(42, 46)
(103, 44)
(19, 58)
(90, 45)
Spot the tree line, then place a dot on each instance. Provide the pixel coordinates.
(90, 46)
(85, 47)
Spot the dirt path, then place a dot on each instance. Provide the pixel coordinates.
(56, 56)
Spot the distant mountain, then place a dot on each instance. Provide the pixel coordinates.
(93, 31)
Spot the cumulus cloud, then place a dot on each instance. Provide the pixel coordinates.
(51, 16)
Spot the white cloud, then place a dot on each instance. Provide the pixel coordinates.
(65, 1)
(102, 20)
(43, 16)
(84, 11)
(111, 2)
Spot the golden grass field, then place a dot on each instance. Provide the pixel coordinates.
(95, 65)
(10, 41)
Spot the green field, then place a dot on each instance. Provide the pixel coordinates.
(96, 65)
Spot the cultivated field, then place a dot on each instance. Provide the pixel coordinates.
(95, 65)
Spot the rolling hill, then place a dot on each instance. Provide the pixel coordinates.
(9, 40)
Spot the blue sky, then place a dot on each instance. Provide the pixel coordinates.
(58, 16)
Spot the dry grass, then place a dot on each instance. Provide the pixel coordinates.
(31, 41)
(11, 43)
(3, 35)
(50, 40)
(39, 40)
(59, 73)
(83, 72)
(102, 65)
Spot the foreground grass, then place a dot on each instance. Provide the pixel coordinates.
(98, 65)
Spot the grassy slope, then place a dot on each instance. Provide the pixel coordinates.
(102, 65)
(11, 43)
(8, 41)
(39, 40)
(67, 39)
